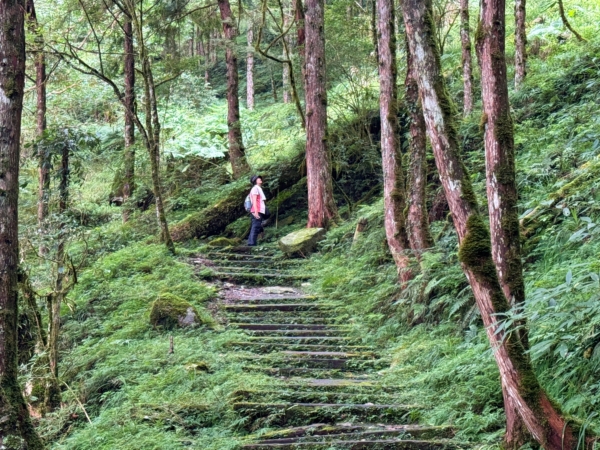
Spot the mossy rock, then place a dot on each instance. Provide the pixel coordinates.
(224, 242)
(302, 241)
(170, 311)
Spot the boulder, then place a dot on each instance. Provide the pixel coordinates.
(170, 311)
(302, 241)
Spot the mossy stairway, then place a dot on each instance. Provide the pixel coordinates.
(326, 393)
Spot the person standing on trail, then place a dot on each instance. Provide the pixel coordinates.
(258, 212)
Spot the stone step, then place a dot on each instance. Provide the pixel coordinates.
(252, 262)
(294, 414)
(300, 339)
(349, 364)
(272, 307)
(378, 444)
(262, 347)
(230, 255)
(303, 333)
(278, 317)
(320, 433)
(349, 385)
(300, 372)
(251, 270)
(272, 299)
(288, 327)
(255, 278)
(365, 395)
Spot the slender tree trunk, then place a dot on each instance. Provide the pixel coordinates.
(53, 396)
(540, 416)
(301, 36)
(273, 85)
(501, 183)
(129, 155)
(15, 427)
(40, 84)
(374, 30)
(286, 68)
(417, 220)
(520, 43)
(151, 133)
(566, 23)
(465, 40)
(237, 152)
(321, 205)
(394, 191)
(250, 71)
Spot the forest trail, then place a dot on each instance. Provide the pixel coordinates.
(326, 393)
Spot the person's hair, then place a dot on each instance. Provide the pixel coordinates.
(254, 179)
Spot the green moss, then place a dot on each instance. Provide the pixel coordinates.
(224, 242)
(168, 309)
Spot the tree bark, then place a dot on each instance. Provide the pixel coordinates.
(535, 408)
(321, 205)
(16, 429)
(417, 220)
(520, 43)
(394, 191)
(566, 23)
(250, 71)
(237, 153)
(129, 155)
(465, 40)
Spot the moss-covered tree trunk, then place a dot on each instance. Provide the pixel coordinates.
(16, 430)
(129, 103)
(417, 219)
(467, 61)
(520, 43)
(540, 416)
(321, 205)
(237, 152)
(286, 43)
(394, 190)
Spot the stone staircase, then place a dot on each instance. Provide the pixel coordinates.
(331, 397)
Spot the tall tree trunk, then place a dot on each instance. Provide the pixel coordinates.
(250, 71)
(15, 424)
(394, 191)
(566, 23)
(273, 85)
(465, 40)
(151, 133)
(237, 153)
(55, 300)
(374, 30)
(286, 68)
(301, 36)
(540, 416)
(417, 220)
(129, 155)
(501, 183)
(321, 205)
(41, 108)
(520, 43)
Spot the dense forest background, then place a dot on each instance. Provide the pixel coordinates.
(97, 374)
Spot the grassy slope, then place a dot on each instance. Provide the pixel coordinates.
(138, 396)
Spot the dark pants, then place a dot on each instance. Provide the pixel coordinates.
(256, 229)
